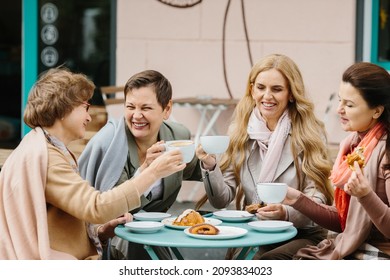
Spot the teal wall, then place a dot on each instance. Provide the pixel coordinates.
(29, 52)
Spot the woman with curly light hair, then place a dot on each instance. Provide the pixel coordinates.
(274, 137)
(47, 211)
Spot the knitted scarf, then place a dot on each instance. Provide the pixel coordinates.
(341, 171)
(270, 142)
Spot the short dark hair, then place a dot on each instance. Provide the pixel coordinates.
(151, 78)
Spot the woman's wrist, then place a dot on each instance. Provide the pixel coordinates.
(208, 167)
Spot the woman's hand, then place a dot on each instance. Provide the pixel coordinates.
(106, 230)
(272, 212)
(291, 196)
(209, 161)
(357, 184)
(152, 153)
(167, 164)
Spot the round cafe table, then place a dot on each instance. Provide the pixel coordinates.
(176, 238)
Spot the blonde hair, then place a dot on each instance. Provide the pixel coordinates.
(307, 132)
(56, 93)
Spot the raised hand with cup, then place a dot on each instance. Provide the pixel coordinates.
(271, 192)
(186, 147)
(209, 147)
(215, 144)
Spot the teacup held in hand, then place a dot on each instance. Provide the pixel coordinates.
(271, 192)
(215, 144)
(187, 148)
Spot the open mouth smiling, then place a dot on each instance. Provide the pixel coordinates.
(139, 125)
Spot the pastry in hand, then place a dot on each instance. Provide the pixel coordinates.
(205, 229)
(188, 218)
(252, 208)
(358, 156)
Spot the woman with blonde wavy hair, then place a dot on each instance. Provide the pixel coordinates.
(274, 137)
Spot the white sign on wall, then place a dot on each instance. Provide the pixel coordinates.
(49, 13)
(49, 34)
(49, 56)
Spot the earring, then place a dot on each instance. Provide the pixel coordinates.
(291, 100)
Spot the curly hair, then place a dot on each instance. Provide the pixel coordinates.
(56, 93)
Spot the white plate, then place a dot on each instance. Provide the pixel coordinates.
(144, 226)
(224, 233)
(270, 225)
(168, 222)
(233, 215)
(151, 216)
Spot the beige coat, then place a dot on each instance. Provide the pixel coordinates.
(45, 205)
(221, 188)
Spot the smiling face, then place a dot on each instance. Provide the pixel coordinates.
(75, 123)
(271, 95)
(355, 115)
(144, 115)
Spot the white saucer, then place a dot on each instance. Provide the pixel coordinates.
(151, 216)
(270, 225)
(233, 215)
(144, 226)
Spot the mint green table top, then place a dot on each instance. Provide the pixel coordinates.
(174, 238)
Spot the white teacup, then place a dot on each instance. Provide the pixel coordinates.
(215, 144)
(271, 192)
(187, 148)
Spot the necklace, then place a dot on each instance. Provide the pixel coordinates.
(61, 146)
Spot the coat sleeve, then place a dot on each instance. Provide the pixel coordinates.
(299, 219)
(67, 191)
(376, 208)
(220, 188)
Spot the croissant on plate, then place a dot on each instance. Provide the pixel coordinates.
(189, 218)
(205, 229)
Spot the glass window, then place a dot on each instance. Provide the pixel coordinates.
(380, 52)
(383, 31)
(77, 34)
(10, 73)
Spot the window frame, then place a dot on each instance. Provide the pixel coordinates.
(375, 36)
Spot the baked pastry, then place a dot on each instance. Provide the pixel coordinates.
(205, 229)
(189, 218)
(358, 156)
(252, 208)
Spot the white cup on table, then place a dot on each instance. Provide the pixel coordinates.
(214, 144)
(186, 147)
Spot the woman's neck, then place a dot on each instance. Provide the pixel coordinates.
(144, 144)
(57, 132)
